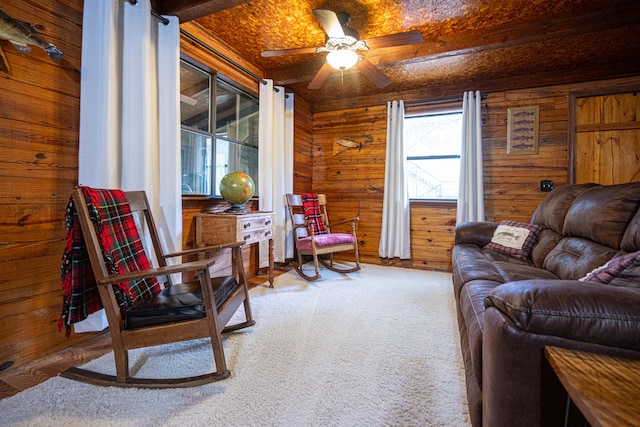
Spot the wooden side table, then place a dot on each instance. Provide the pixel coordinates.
(251, 227)
(606, 389)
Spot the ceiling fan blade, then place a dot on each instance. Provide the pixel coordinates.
(321, 76)
(372, 73)
(399, 39)
(329, 22)
(284, 52)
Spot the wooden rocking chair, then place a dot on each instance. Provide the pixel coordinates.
(313, 236)
(140, 312)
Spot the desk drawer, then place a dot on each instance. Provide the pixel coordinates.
(251, 224)
(213, 229)
(257, 235)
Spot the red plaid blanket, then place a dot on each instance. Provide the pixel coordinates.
(122, 250)
(312, 213)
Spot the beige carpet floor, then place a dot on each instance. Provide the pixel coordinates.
(378, 347)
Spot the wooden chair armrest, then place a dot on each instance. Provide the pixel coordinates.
(160, 271)
(352, 220)
(203, 249)
(305, 225)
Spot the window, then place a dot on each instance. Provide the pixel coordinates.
(432, 145)
(219, 131)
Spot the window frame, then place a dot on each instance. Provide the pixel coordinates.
(433, 109)
(214, 78)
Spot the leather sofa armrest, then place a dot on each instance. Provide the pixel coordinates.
(475, 233)
(580, 311)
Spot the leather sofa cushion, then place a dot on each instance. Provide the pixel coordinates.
(602, 213)
(472, 308)
(574, 257)
(631, 239)
(180, 302)
(511, 272)
(471, 263)
(547, 240)
(597, 313)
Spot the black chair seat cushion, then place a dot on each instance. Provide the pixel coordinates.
(179, 302)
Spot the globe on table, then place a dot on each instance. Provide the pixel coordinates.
(237, 188)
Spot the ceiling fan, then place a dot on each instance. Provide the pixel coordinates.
(342, 46)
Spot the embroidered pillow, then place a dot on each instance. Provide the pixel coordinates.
(623, 270)
(515, 238)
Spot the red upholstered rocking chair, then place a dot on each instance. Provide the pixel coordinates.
(313, 236)
(105, 265)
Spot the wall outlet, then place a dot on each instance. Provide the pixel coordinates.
(546, 185)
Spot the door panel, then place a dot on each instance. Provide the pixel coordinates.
(607, 147)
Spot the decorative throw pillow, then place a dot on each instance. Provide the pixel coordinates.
(515, 238)
(622, 269)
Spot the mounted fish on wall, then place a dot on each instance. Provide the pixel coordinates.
(21, 34)
(346, 143)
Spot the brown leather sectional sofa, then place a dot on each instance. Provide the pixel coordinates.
(510, 308)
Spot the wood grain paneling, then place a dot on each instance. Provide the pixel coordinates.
(302, 147)
(608, 139)
(39, 116)
(354, 184)
(354, 180)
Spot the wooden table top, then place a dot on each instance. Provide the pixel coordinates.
(605, 389)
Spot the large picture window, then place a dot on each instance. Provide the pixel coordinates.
(219, 131)
(432, 145)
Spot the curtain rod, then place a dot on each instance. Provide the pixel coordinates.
(441, 100)
(165, 21)
(224, 57)
(155, 14)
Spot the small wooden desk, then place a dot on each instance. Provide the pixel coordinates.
(605, 389)
(251, 227)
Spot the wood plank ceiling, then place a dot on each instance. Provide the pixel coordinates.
(468, 44)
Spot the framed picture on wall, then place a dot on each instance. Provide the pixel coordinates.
(522, 130)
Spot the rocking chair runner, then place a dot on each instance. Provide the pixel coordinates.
(139, 311)
(313, 236)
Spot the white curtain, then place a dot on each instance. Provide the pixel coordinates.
(395, 238)
(129, 108)
(471, 190)
(275, 166)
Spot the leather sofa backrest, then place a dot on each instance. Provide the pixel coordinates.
(603, 213)
(551, 214)
(631, 239)
(594, 227)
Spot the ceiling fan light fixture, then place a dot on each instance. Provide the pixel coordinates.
(342, 59)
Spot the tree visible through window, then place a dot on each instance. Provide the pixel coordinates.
(432, 145)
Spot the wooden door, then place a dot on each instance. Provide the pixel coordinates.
(607, 139)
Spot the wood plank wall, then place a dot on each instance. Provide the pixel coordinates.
(302, 146)
(39, 116)
(354, 180)
(39, 122)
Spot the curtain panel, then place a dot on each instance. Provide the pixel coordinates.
(129, 108)
(275, 166)
(395, 236)
(471, 187)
